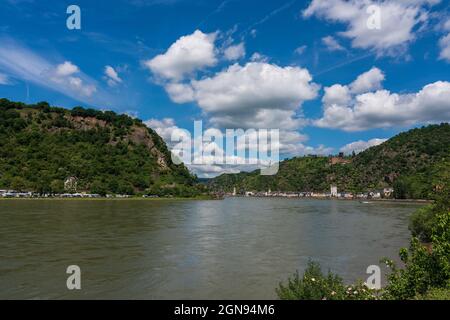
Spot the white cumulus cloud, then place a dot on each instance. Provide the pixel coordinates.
(337, 94)
(256, 94)
(65, 75)
(359, 146)
(258, 57)
(235, 52)
(342, 95)
(300, 50)
(332, 44)
(383, 109)
(180, 92)
(66, 69)
(112, 76)
(188, 54)
(399, 20)
(368, 81)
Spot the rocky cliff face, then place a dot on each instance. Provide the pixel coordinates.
(140, 135)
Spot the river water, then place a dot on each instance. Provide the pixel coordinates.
(238, 248)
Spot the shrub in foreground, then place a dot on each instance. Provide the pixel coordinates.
(314, 285)
(427, 269)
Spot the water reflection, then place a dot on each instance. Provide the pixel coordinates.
(231, 249)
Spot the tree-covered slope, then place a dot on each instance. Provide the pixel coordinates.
(41, 146)
(413, 162)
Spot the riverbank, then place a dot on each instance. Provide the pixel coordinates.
(115, 199)
(368, 201)
(209, 198)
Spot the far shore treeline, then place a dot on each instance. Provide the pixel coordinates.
(51, 150)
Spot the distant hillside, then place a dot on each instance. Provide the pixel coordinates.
(42, 146)
(413, 162)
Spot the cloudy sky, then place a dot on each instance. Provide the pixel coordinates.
(331, 75)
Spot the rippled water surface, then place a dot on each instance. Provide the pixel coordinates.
(239, 248)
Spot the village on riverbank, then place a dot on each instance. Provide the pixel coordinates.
(385, 193)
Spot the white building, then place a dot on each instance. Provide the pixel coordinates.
(70, 185)
(334, 191)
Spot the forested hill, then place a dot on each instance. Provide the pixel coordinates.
(42, 146)
(415, 163)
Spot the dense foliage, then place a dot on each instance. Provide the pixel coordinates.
(424, 220)
(412, 162)
(426, 273)
(41, 146)
(426, 269)
(314, 285)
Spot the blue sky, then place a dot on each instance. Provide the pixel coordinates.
(313, 69)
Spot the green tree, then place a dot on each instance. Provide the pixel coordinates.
(57, 186)
(18, 184)
(99, 187)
